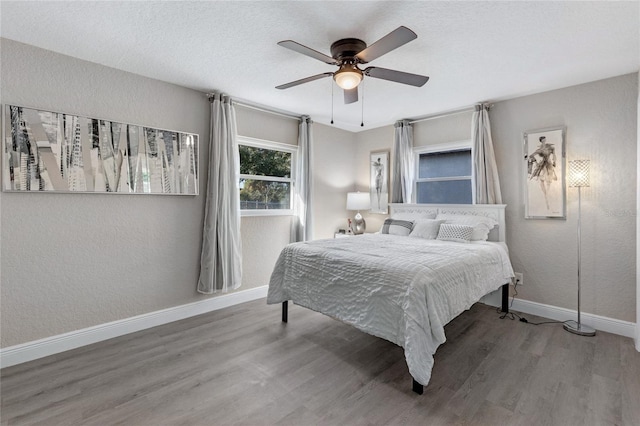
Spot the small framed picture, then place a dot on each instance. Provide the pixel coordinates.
(379, 186)
(544, 170)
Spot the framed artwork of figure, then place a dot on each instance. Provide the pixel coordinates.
(544, 169)
(379, 186)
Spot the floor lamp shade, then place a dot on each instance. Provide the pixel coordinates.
(578, 173)
(579, 177)
(358, 201)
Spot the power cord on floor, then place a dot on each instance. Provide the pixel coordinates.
(543, 322)
(512, 315)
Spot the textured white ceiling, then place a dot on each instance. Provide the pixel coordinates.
(472, 51)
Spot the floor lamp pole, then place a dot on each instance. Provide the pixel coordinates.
(579, 248)
(573, 326)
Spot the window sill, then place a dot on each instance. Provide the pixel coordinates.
(249, 213)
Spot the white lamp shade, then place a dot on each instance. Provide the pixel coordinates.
(358, 201)
(578, 173)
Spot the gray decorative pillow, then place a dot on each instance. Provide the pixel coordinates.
(397, 227)
(458, 233)
(426, 228)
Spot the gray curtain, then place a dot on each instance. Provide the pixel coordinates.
(403, 165)
(485, 170)
(221, 258)
(301, 226)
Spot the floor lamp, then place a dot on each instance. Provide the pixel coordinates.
(579, 177)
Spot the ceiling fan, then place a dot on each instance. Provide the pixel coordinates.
(347, 53)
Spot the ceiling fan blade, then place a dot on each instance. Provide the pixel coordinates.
(297, 47)
(397, 76)
(351, 95)
(304, 80)
(393, 40)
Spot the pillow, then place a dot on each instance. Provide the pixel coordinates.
(397, 227)
(453, 232)
(426, 228)
(481, 224)
(413, 216)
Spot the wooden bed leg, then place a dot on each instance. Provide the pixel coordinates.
(285, 311)
(417, 387)
(505, 298)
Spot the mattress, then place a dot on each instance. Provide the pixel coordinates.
(402, 289)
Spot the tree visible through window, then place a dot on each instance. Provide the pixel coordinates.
(265, 178)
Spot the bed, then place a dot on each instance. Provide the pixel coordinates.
(398, 287)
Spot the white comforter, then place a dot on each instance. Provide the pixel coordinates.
(402, 289)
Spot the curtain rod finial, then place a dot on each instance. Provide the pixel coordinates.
(483, 105)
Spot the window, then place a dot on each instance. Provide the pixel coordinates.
(266, 177)
(444, 174)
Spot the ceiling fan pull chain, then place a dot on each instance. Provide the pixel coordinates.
(331, 101)
(362, 106)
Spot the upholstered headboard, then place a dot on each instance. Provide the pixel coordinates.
(494, 211)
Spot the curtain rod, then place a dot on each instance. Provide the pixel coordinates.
(268, 110)
(261, 108)
(443, 114)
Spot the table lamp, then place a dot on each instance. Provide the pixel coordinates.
(358, 201)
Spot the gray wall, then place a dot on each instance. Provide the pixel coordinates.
(637, 335)
(379, 139)
(263, 237)
(333, 176)
(452, 128)
(71, 261)
(601, 125)
(262, 125)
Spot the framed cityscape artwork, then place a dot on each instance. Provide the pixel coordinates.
(47, 151)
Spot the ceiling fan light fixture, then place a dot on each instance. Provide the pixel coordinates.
(348, 53)
(348, 76)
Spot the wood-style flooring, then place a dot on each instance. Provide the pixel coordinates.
(242, 366)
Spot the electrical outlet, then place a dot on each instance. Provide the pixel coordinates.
(519, 278)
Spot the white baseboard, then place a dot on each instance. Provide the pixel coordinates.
(29, 351)
(610, 325)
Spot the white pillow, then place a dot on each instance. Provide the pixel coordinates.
(481, 224)
(426, 228)
(453, 232)
(397, 227)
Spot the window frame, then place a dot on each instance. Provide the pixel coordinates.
(273, 146)
(442, 148)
